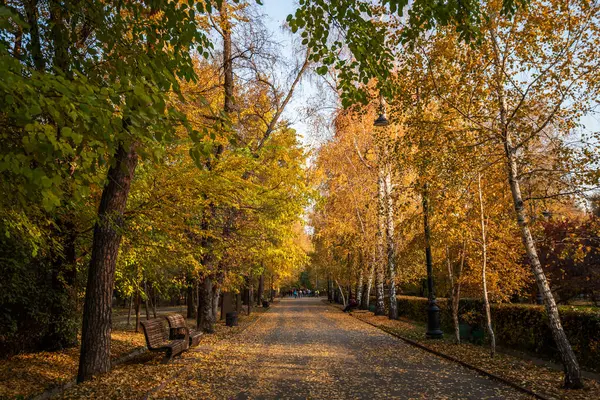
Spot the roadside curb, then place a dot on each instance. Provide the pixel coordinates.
(456, 360)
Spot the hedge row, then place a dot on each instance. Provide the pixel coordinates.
(519, 326)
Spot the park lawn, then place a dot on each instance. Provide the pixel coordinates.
(526, 373)
(29, 374)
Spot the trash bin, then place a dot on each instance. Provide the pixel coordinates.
(231, 319)
(265, 304)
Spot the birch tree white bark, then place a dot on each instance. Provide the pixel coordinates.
(486, 302)
(390, 244)
(381, 227)
(568, 358)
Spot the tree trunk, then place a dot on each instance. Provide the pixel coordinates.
(95, 337)
(152, 300)
(216, 303)
(238, 303)
(341, 293)
(367, 290)
(250, 295)
(261, 288)
(60, 36)
(205, 319)
(380, 271)
(455, 283)
(190, 300)
(216, 294)
(359, 284)
(18, 43)
(452, 289)
(391, 246)
(129, 312)
(146, 300)
(153, 305)
(196, 298)
(223, 305)
(569, 360)
(486, 302)
(336, 294)
(227, 60)
(207, 310)
(138, 306)
(32, 12)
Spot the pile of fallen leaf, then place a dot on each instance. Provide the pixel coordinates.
(145, 374)
(26, 375)
(537, 378)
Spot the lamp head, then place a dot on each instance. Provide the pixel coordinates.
(381, 120)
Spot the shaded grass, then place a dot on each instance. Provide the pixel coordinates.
(26, 375)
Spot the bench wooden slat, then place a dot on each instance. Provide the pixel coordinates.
(157, 338)
(178, 327)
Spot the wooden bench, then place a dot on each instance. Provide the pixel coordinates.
(178, 329)
(157, 339)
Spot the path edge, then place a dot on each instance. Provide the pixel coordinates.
(453, 359)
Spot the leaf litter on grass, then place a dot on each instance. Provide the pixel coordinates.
(26, 375)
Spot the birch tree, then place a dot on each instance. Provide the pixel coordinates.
(536, 75)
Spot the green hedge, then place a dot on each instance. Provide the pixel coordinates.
(519, 326)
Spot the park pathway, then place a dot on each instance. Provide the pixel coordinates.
(304, 348)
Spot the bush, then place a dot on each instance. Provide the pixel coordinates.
(37, 310)
(520, 326)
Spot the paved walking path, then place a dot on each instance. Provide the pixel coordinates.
(303, 348)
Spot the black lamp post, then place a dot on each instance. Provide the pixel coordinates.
(433, 311)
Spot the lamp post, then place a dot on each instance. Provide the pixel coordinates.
(433, 311)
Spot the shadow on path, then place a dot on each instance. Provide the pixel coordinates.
(304, 349)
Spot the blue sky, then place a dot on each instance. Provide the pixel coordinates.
(278, 10)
